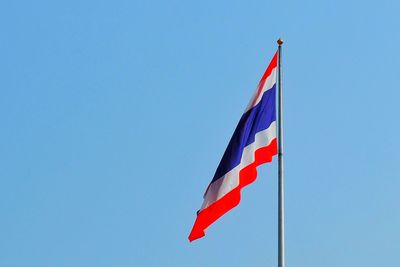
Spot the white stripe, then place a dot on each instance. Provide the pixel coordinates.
(230, 180)
(269, 82)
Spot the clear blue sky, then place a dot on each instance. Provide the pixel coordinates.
(115, 114)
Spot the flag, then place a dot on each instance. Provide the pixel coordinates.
(253, 143)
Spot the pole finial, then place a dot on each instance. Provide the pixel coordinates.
(280, 41)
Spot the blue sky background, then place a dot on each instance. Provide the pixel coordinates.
(115, 114)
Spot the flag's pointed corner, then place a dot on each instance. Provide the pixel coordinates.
(195, 235)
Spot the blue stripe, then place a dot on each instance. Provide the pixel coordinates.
(253, 121)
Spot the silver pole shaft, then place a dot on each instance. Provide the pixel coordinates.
(281, 191)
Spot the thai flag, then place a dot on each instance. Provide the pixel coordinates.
(252, 144)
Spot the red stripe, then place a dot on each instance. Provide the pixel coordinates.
(271, 66)
(246, 176)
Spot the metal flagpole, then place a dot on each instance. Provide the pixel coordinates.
(281, 195)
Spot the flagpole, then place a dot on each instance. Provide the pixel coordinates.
(281, 193)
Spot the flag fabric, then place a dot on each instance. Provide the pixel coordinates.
(253, 143)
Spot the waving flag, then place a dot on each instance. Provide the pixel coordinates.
(252, 144)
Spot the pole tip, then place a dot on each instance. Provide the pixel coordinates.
(280, 41)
